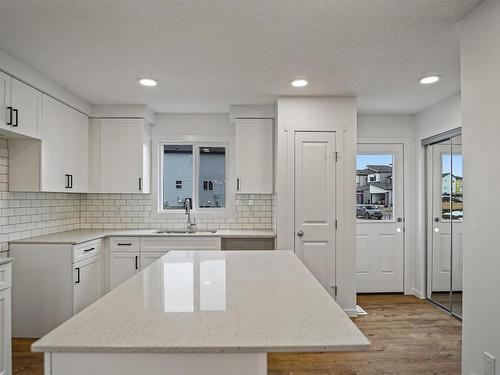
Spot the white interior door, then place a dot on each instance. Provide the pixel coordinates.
(380, 220)
(315, 204)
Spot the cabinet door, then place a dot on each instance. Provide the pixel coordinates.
(254, 155)
(5, 332)
(28, 103)
(87, 282)
(121, 153)
(148, 257)
(122, 266)
(4, 101)
(55, 120)
(77, 151)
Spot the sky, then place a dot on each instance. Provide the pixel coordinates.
(457, 164)
(364, 160)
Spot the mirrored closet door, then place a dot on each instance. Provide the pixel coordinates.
(445, 208)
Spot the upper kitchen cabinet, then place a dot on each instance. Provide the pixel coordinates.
(21, 107)
(254, 156)
(26, 104)
(120, 156)
(60, 162)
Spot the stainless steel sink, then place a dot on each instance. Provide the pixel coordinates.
(181, 231)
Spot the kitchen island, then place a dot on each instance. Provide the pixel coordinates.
(200, 312)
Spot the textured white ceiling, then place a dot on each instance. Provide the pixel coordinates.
(208, 54)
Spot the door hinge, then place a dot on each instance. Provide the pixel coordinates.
(335, 290)
(336, 156)
(336, 223)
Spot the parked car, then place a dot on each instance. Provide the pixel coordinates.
(368, 211)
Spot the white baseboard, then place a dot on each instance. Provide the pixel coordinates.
(417, 293)
(351, 313)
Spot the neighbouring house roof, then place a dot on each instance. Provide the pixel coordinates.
(380, 168)
(457, 177)
(362, 172)
(387, 187)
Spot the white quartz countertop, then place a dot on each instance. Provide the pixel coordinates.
(5, 260)
(208, 301)
(82, 235)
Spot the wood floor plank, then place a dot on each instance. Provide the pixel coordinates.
(409, 336)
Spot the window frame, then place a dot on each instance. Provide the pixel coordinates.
(229, 211)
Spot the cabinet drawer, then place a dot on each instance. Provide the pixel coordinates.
(86, 250)
(5, 276)
(180, 243)
(124, 244)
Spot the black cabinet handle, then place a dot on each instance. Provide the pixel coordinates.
(71, 181)
(124, 244)
(77, 275)
(10, 115)
(67, 181)
(140, 183)
(238, 184)
(87, 250)
(136, 262)
(16, 112)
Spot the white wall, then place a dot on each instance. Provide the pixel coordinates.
(193, 124)
(480, 74)
(441, 117)
(398, 129)
(320, 113)
(25, 73)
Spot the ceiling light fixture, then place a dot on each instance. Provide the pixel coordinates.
(149, 82)
(429, 79)
(299, 82)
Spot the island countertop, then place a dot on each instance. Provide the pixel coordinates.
(212, 302)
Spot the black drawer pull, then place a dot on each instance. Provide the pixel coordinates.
(124, 244)
(136, 262)
(87, 250)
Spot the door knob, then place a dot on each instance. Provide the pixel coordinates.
(300, 233)
(400, 219)
(436, 219)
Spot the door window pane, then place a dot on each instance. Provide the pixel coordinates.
(177, 176)
(212, 180)
(374, 187)
(452, 187)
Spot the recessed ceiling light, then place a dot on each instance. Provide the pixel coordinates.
(429, 79)
(147, 82)
(299, 82)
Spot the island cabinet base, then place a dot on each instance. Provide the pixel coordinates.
(155, 364)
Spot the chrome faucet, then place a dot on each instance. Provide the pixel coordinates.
(191, 225)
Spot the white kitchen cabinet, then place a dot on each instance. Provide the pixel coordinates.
(77, 151)
(254, 156)
(60, 161)
(122, 266)
(87, 283)
(47, 291)
(26, 103)
(122, 164)
(5, 319)
(5, 80)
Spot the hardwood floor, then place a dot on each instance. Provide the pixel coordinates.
(408, 336)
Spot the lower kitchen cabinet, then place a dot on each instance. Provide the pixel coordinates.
(122, 266)
(5, 319)
(52, 283)
(87, 282)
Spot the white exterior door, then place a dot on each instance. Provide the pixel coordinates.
(122, 266)
(315, 204)
(380, 221)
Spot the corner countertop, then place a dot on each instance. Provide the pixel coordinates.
(212, 302)
(5, 260)
(74, 237)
